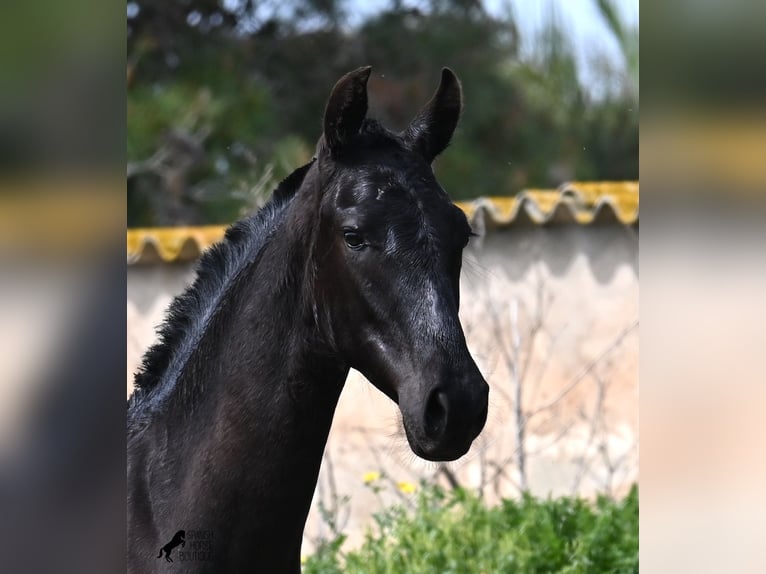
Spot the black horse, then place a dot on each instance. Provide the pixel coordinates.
(355, 262)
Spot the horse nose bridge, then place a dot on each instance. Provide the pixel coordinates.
(449, 364)
(437, 312)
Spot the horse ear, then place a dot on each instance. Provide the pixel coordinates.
(346, 108)
(430, 131)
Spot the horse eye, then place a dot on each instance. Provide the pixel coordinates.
(353, 239)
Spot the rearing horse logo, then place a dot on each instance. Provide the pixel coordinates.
(178, 538)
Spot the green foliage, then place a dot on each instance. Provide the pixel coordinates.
(457, 533)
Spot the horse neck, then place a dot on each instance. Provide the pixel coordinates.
(269, 392)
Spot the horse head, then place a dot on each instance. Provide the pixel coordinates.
(387, 260)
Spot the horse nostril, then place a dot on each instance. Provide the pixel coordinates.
(436, 413)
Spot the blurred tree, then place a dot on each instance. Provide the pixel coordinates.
(611, 131)
(246, 82)
(627, 40)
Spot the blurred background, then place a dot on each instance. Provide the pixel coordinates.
(63, 152)
(225, 98)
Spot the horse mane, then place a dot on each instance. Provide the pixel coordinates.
(190, 311)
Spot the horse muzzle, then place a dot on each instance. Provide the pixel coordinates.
(442, 422)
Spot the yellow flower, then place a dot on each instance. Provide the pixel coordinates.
(370, 477)
(407, 487)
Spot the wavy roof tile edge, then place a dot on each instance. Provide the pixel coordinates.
(574, 203)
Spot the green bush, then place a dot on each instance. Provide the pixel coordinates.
(457, 533)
